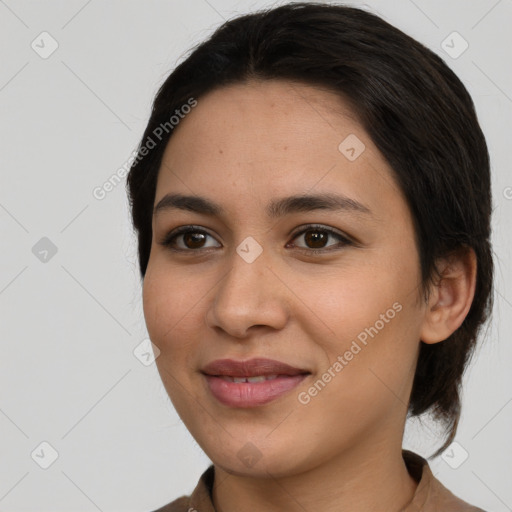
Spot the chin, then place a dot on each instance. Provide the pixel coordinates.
(258, 459)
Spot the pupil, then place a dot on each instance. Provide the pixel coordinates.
(192, 238)
(317, 236)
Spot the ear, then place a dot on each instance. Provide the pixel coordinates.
(451, 296)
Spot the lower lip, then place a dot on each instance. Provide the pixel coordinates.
(251, 394)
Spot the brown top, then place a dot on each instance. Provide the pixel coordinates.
(430, 495)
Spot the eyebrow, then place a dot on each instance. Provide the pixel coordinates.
(275, 208)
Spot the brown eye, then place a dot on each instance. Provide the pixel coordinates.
(316, 238)
(193, 240)
(186, 239)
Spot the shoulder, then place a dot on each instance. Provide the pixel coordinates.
(200, 499)
(179, 505)
(446, 500)
(431, 495)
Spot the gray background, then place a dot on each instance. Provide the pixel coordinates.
(70, 321)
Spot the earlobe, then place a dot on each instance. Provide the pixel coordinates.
(451, 296)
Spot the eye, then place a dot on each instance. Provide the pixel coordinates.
(317, 236)
(192, 237)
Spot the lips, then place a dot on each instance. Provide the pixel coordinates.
(251, 368)
(252, 383)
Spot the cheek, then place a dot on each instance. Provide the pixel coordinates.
(152, 298)
(166, 299)
(173, 305)
(364, 385)
(168, 316)
(371, 321)
(348, 300)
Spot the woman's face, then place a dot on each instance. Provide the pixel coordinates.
(246, 282)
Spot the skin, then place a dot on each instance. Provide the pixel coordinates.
(240, 147)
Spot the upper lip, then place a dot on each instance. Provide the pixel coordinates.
(250, 368)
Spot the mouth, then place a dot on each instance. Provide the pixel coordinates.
(251, 383)
(256, 367)
(257, 378)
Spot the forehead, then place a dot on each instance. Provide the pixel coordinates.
(273, 138)
(267, 111)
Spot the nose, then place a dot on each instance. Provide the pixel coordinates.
(250, 296)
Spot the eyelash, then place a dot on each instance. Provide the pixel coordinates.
(169, 238)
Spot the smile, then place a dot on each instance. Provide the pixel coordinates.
(245, 392)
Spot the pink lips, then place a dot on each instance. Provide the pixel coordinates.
(264, 380)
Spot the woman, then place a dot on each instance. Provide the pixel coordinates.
(312, 202)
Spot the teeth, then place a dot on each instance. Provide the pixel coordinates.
(258, 378)
(236, 379)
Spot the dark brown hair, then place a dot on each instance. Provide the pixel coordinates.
(416, 111)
